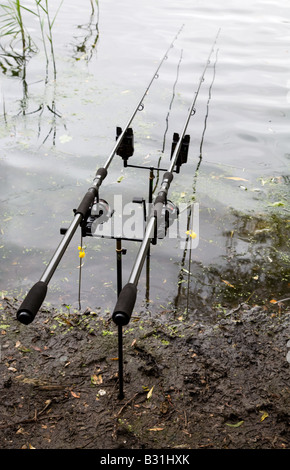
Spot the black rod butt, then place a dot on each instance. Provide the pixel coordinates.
(125, 304)
(32, 302)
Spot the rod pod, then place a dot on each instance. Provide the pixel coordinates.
(36, 295)
(127, 298)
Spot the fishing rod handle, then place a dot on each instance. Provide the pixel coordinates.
(32, 303)
(161, 198)
(125, 304)
(92, 192)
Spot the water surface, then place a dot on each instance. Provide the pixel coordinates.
(57, 129)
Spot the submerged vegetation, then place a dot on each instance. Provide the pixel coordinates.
(20, 43)
(20, 46)
(254, 264)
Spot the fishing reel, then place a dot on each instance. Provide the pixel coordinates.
(99, 214)
(169, 214)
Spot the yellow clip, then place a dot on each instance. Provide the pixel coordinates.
(81, 252)
(191, 234)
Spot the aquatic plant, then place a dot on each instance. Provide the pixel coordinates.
(45, 20)
(21, 47)
(86, 46)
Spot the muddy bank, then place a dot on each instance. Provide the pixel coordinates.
(218, 381)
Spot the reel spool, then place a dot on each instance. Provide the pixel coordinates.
(100, 212)
(169, 214)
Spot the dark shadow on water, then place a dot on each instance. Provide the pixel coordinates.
(254, 269)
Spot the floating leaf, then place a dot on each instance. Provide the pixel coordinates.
(65, 138)
(277, 204)
(186, 271)
(236, 425)
(235, 178)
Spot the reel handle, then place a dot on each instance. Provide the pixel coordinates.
(32, 302)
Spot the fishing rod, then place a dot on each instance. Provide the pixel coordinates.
(126, 300)
(124, 147)
(127, 297)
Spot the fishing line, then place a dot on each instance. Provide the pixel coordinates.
(189, 207)
(196, 174)
(167, 120)
(207, 105)
(172, 99)
(127, 298)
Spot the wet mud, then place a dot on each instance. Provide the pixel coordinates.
(214, 381)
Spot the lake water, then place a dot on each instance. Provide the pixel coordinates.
(59, 125)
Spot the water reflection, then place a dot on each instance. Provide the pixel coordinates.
(167, 120)
(19, 49)
(188, 244)
(90, 35)
(254, 267)
(205, 278)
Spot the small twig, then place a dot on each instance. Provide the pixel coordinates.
(35, 418)
(278, 301)
(185, 419)
(127, 403)
(48, 403)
